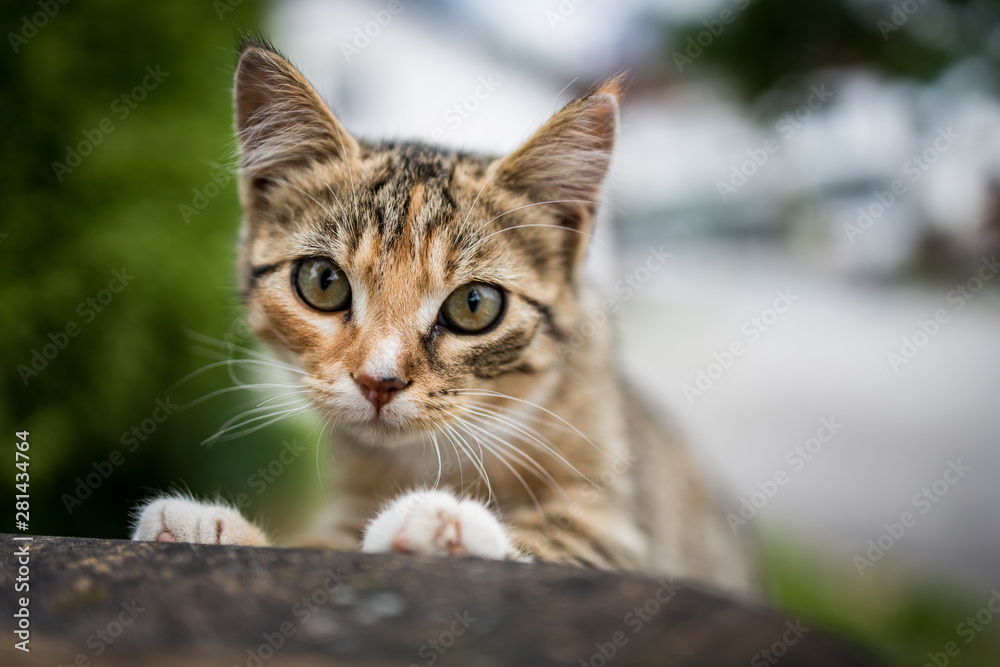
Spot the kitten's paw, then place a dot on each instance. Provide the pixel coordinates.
(174, 519)
(436, 523)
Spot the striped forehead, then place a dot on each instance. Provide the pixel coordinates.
(397, 226)
(394, 288)
(401, 251)
(411, 196)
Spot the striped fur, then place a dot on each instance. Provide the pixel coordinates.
(577, 469)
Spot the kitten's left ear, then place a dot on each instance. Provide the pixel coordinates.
(566, 161)
(281, 121)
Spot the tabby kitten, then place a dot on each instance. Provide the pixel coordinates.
(428, 297)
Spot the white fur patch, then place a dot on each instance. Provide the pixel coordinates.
(383, 358)
(179, 519)
(429, 309)
(436, 523)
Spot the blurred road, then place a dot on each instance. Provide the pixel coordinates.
(897, 432)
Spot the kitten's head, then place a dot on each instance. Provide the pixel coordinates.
(407, 280)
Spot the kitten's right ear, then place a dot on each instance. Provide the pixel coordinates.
(281, 121)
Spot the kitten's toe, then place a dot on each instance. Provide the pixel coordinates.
(174, 519)
(437, 523)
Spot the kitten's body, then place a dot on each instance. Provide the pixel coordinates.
(511, 416)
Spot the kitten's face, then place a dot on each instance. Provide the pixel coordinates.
(404, 280)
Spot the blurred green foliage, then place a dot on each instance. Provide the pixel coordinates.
(889, 611)
(166, 145)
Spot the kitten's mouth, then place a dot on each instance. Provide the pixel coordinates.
(382, 426)
(395, 421)
(379, 431)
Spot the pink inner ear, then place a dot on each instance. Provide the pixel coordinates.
(280, 117)
(257, 79)
(567, 159)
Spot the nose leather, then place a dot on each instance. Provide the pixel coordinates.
(380, 390)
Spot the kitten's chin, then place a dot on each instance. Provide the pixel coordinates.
(396, 425)
(381, 434)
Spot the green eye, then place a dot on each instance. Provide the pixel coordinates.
(473, 308)
(322, 284)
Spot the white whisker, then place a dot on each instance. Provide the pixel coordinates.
(217, 364)
(342, 209)
(559, 227)
(250, 387)
(319, 447)
(330, 212)
(477, 463)
(458, 457)
(472, 430)
(207, 340)
(539, 203)
(281, 415)
(540, 470)
(347, 161)
(437, 450)
(490, 392)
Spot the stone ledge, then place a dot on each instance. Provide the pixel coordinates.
(113, 602)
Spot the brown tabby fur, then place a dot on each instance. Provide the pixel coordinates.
(409, 223)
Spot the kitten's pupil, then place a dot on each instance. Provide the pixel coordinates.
(473, 300)
(322, 285)
(326, 278)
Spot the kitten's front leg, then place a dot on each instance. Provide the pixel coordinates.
(177, 519)
(437, 523)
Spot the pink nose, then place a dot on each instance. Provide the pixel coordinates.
(378, 391)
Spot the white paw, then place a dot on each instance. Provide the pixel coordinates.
(173, 519)
(436, 523)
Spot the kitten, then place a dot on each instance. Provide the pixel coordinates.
(429, 298)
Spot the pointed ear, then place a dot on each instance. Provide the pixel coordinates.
(567, 160)
(280, 118)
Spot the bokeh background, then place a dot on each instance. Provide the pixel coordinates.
(845, 153)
